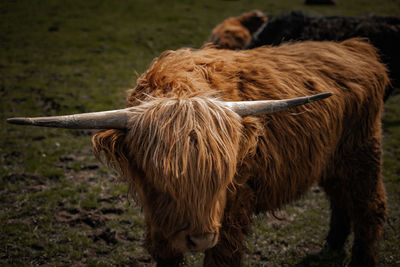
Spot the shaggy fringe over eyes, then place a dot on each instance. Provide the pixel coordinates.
(188, 146)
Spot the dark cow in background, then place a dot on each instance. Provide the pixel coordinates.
(382, 31)
(201, 165)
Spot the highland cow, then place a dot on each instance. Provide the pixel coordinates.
(202, 156)
(382, 31)
(237, 32)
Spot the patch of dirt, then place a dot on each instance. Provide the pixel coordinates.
(79, 216)
(22, 177)
(107, 235)
(32, 183)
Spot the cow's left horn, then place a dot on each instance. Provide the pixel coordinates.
(113, 119)
(259, 107)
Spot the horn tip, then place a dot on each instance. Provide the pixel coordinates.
(320, 96)
(19, 121)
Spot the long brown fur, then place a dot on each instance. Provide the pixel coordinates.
(198, 167)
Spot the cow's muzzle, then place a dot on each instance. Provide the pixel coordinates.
(201, 242)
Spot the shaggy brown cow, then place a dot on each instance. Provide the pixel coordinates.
(237, 32)
(200, 170)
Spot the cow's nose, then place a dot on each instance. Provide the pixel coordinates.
(201, 242)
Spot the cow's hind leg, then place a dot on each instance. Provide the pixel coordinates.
(368, 203)
(358, 198)
(368, 217)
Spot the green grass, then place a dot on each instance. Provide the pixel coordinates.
(60, 57)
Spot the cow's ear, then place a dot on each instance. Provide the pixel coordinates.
(260, 107)
(110, 144)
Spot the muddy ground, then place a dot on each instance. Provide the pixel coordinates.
(59, 205)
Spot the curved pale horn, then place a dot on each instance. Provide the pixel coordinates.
(113, 119)
(259, 107)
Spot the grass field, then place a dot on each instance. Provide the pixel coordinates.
(58, 205)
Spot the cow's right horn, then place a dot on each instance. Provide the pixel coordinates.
(113, 119)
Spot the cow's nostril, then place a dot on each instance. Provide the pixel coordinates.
(190, 243)
(200, 242)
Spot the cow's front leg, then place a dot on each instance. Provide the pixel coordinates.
(161, 251)
(228, 251)
(235, 227)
